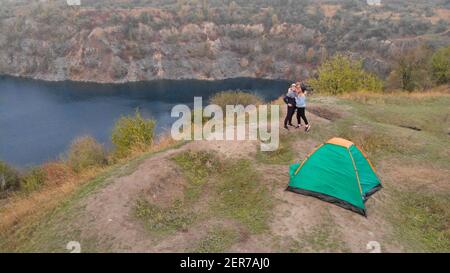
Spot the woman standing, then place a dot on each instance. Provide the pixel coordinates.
(300, 104)
(289, 99)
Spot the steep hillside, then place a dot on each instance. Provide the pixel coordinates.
(118, 41)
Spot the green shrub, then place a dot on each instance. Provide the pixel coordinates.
(132, 133)
(340, 75)
(9, 179)
(33, 180)
(440, 65)
(232, 97)
(85, 152)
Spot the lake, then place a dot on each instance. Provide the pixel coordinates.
(39, 119)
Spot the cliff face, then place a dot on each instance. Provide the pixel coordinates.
(114, 54)
(142, 43)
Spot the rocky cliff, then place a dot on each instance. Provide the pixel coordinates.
(116, 44)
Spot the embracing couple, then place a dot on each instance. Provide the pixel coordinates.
(296, 101)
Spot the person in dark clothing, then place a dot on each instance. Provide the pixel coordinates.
(289, 99)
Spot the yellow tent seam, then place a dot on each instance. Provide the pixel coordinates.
(356, 171)
(307, 157)
(368, 160)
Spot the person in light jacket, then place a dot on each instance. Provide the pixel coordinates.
(300, 105)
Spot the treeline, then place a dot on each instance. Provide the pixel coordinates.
(419, 68)
(131, 135)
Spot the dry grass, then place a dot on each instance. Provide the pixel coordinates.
(61, 181)
(330, 10)
(324, 113)
(85, 152)
(57, 173)
(21, 209)
(235, 97)
(369, 97)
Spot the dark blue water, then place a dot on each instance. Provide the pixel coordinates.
(38, 119)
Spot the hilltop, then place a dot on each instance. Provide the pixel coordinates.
(179, 199)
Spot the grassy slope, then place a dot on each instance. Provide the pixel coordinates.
(418, 210)
(414, 166)
(50, 232)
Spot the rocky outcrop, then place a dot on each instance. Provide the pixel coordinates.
(120, 45)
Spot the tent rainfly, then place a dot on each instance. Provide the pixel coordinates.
(338, 172)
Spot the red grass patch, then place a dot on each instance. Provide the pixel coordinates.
(57, 173)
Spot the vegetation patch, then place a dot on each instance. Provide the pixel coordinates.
(321, 238)
(132, 133)
(237, 193)
(50, 230)
(163, 220)
(9, 179)
(86, 152)
(235, 97)
(33, 180)
(428, 112)
(371, 141)
(197, 166)
(242, 197)
(283, 155)
(422, 221)
(218, 239)
(340, 75)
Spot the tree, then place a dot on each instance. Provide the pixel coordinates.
(340, 75)
(411, 70)
(275, 20)
(440, 65)
(232, 8)
(310, 54)
(144, 18)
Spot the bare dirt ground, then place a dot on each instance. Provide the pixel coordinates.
(108, 217)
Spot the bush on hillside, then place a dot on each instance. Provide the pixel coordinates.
(57, 173)
(235, 97)
(440, 65)
(132, 133)
(9, 179)
(85, 152)
(33, 180)
(340, 75)
(411, 70)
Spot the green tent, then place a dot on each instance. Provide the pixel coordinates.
(337, 172)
